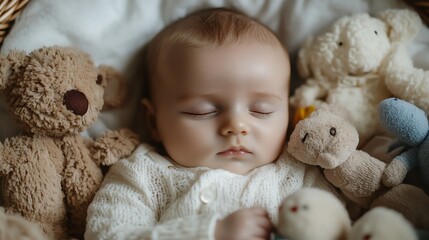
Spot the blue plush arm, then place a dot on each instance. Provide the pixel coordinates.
(408, 158)
(398, 168)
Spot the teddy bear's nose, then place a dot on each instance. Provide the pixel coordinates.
(76, 102)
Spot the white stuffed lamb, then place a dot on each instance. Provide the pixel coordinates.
(382, 223)
(311, 213)
(346, 66)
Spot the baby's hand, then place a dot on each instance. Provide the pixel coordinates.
(246, 224)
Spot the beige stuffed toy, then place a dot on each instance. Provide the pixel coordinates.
(50, 173)
(381, 223)
(329, 141)
(347, 65)
(311, 213)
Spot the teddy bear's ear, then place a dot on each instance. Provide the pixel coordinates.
(403, 24)
(114, 87)
(10, 65)
(5, 72)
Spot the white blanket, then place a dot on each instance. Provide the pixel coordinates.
(113, 31)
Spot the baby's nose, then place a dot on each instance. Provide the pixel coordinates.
(76, 102)
(235, 128)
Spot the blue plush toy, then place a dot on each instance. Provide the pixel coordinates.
(410, 125)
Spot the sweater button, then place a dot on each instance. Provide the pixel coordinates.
(208, 195)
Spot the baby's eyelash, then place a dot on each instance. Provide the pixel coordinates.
(200, 115)
(260, 114)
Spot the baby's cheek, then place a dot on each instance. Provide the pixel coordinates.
(194, 136)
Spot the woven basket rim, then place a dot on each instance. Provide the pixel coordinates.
(9, 10)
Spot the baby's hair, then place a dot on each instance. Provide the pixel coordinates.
(208, 28)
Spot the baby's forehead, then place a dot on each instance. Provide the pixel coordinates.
(176, 54)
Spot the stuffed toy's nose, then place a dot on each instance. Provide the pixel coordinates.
(76, 102)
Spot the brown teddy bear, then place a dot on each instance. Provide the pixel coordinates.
(325, 139)
(50, 173)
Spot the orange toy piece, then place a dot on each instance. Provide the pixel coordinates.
(301, 113)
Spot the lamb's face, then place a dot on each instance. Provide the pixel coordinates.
(355, 46)
(323, 139)
(311, 214)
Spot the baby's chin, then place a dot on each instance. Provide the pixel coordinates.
(240, 167)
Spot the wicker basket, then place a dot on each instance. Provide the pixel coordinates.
(9, 10)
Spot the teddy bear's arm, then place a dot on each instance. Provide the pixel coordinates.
(113, 146)
(398, 168)
(81, 180)
(9, 158)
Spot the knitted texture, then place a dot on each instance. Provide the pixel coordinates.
(148, 197)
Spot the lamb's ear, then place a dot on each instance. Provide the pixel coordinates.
(114, 87)
(403, 24)
(10, 65)
(304, 58)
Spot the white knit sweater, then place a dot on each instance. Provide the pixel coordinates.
(147, 197)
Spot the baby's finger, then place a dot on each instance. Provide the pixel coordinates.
(261, 233)
(258, 211)
(265, 223)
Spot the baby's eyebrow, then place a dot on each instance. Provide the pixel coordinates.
(188, 96)
(266, 95)
(211, 96)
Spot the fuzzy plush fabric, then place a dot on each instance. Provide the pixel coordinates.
(50, 173)
(345, 66)
(329, 141)
(411, 201)
(410, 125)
(16, 227)
(39, 104)
(382, 223)
(304, 214)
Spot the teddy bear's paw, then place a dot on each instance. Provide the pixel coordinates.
(113, 146)
(394, 173)
(17, 227)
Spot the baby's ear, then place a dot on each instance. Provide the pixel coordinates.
(114, 87)
(9, 65)
(150, 120)
(403, 24)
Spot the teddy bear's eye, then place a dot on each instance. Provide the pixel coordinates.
(333, 131)
(376, 33)
(99, 79)
(340, 44)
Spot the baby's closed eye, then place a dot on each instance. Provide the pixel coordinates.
(262, 109)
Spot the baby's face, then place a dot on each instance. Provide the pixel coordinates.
(224, 108)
